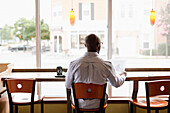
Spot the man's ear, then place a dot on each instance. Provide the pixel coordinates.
(85, 45)
(98, 45)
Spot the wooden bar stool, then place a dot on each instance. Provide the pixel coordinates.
(21, 92)
(152, 101)
(89, 91)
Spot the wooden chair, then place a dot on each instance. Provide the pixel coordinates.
(21, 92)
(152, 101)
(89, 91)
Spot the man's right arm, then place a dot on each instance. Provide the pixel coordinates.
(116, 80)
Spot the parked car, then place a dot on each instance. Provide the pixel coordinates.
(20, 47)
(45, 49)
(16, 47)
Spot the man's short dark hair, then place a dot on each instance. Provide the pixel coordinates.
(92, 42)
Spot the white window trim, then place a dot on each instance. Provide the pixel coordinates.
(38, 36)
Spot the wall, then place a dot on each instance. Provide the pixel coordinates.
(62, 108)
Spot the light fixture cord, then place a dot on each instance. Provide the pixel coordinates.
(72, 4)
(152, 4)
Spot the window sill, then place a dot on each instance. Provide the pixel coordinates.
(63, 100)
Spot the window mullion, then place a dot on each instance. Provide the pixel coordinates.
(38, 36)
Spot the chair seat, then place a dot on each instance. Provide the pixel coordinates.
(154, 103)
(96, 109)
(24, 99)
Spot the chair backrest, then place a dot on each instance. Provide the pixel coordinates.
(88, 91)
(154, 88)
(20, 85)
(84, 91)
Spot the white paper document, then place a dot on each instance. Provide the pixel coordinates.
(119, 65)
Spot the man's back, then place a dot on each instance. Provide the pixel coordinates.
(91, 69)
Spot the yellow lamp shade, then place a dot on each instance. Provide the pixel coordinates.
(152, 17)
(72, 17)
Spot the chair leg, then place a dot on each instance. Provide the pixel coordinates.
(32, 108)
(148, 110)
(74, 111)
(11, 108)
(42, 106)
(156, 111)
(16, 108)
(103, 110)
(132, 108)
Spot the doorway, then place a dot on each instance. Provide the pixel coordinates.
(58, 44)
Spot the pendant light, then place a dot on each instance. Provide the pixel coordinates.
(72, 16)
(152, 15)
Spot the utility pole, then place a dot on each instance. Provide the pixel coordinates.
(23, 28)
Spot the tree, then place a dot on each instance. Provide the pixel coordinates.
(6, 33)
(164, 23)
(164, 20)
(29, 26)
(30, 31)
(45, 33)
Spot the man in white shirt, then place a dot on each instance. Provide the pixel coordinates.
(90, 68)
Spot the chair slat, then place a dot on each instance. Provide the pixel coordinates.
(152, 101)
(20, 85)
(159, 88)
(89, 91)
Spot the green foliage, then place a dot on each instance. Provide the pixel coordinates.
(160, 51)
(30, 30)
(164, 20)
(29, 26)
(145, 52)
(6, 33)
(45, 33)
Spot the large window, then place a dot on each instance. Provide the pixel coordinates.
(134, 39)
(17, 33)
(66, 41)
(135, 42)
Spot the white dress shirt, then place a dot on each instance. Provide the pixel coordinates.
(92, 69)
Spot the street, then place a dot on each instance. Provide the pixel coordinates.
(27, 59)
